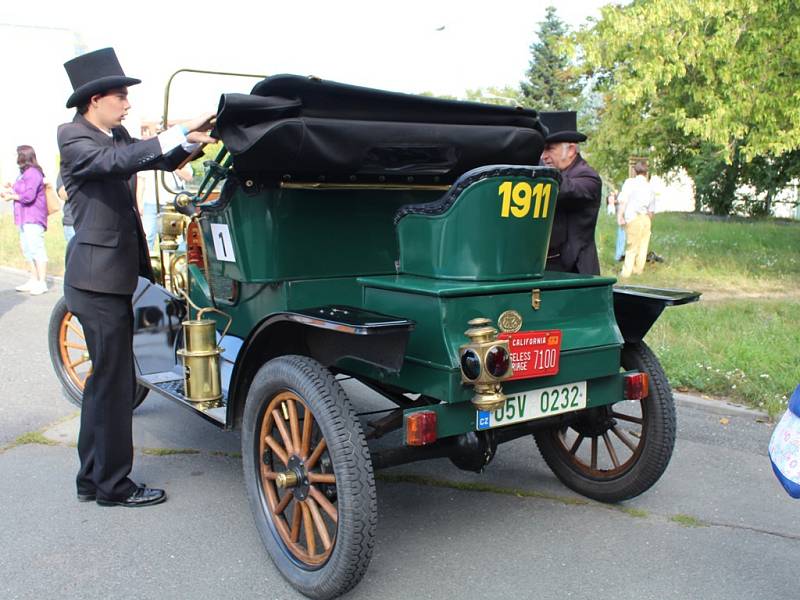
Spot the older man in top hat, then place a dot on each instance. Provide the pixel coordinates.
(99, 162)
(572, 247)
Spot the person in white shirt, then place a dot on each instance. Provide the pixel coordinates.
(637, 204)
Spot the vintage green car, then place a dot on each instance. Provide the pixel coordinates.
(399, 240)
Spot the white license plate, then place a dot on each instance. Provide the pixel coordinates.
(535, 404)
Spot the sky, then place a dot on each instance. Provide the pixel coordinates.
(411, 46)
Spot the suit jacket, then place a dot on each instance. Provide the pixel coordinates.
(109, 250)
(576, 217)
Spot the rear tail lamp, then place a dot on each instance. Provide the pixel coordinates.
(471, 364)
(421, 428)
(636, 386)
(194, 245)
(497, 361)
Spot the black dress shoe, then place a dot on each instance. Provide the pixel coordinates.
(87, 497)
(141, 496)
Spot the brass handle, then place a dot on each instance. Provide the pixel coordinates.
(216, 310)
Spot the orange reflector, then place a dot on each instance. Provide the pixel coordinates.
(636, 386)
(421, 428)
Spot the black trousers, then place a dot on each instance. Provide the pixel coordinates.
(105, 442)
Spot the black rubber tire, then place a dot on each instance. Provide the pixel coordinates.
(72, 391)
(350, 459)
(657, 440)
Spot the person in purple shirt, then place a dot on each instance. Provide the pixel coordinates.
(30, 216)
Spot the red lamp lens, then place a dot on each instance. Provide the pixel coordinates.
(497, 361)
(636, 386)
(421, 428)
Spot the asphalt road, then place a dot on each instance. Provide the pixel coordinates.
(433, 541)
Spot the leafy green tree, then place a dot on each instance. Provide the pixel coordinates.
(552, 80)
(708, 85)
(506, 95)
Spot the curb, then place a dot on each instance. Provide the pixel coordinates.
(24, 273)
(721, 406)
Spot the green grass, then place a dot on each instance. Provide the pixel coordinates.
(11, 254)
(745, 350)
(724, 257)
(168, 451)
(742, 340)
(31, 437)
(687, 520)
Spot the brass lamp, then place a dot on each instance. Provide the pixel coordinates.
(485, 363)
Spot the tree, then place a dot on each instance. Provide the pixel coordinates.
(708, 85)
(552, 81)
(506, 95)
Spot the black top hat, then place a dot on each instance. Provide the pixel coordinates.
(94, 73)
(562, 125)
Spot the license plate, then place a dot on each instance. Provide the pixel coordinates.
(533, 353)
(535, 404)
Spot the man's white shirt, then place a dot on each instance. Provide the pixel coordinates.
(637, 196)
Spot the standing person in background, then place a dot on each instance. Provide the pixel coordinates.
(146, 185)
(99, 162)
(637, 207)
(67, 220)
(619, 248)
(30, 216)
(572, 247)
(611, 204)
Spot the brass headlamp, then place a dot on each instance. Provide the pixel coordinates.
(171, 226)
(485, 363)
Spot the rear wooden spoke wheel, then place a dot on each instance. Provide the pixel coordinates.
(70, 355)
(615, 452)
(309, 476)
(74, 352)
(296, 479)
(606, 441)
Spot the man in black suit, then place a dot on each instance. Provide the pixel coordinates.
(572, 247)
(99, 162)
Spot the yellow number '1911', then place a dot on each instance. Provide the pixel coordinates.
(517, 199)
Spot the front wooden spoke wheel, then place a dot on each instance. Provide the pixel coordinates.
(74, 352)
(607, 441)
(298, 483)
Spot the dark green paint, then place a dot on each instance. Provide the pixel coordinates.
(472, 241)
(454, 419)
(298, 249)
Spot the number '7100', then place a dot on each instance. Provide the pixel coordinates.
(520, 197)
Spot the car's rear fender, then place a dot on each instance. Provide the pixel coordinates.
(327, 334)
(636, 308)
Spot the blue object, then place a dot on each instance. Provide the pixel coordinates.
(619, 251)
(484, 417)
(784, 447)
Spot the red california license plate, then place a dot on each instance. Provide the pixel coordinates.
(534, 353)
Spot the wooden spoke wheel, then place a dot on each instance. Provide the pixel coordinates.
(70, 354)
(613, 453)
(309, 476)
(297, 480)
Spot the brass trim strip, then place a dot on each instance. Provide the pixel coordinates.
(362, 186)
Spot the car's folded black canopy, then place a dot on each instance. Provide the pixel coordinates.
(296, 128)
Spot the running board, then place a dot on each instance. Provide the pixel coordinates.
(170, 385)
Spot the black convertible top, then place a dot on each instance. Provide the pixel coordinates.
(296, 128)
